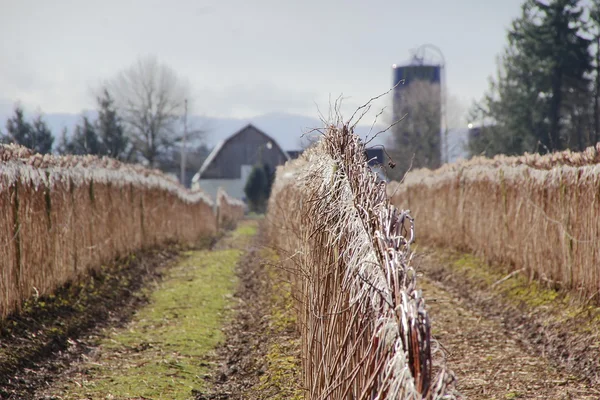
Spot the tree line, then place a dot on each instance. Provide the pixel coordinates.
(104, 137)
(138, 119)
(545, 94)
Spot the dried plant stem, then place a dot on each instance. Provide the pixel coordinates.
(364, 327)
(62, 217)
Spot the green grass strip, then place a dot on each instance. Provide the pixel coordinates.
(162, 353)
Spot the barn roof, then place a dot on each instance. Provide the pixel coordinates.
(215, 152)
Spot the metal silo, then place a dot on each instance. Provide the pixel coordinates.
(428, 67)
(409, 73)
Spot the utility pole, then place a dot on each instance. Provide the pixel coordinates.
(183, 149)
(597, 93)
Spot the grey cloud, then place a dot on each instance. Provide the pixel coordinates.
(247, 98)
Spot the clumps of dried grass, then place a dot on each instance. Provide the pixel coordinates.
(588, 157)
(60, 217)
(536, 213)
(229, 210)
(364, 327)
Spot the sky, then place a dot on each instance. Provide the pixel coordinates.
(244, 58)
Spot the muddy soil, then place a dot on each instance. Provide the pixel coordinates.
(496, 350)
(38, 345)
(260, 358)
(490, 357)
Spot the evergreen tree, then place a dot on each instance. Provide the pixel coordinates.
(538, 100)
(36, 136)
(270, 176)
(42, 136)
(85, 140)
(560, 43)
(595, 29)
(256, 189)
(18, 130)
(110, 128)
(105, 136)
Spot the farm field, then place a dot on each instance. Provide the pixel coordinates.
(245, 345)
(329, 295)
(164, 351)
(195, 337)
(300, 200)
(490, 359)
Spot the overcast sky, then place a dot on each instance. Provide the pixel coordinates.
(243, 58)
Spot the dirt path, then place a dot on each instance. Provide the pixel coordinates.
(52, 332)
(166, 350)
(487, 361)
(219, 325)
(260, 358)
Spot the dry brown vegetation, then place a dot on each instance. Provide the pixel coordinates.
(554, 330)
(62, 217)
(536, 213)
(363, 323)
(229, 210)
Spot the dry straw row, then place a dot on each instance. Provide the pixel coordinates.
(64, 216)
(364, 327)
(229, 209)
(589, 156)
(539, 213)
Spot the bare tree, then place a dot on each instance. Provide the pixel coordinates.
(150, 98)
(416, 139)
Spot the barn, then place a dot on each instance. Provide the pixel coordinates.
(229, 164)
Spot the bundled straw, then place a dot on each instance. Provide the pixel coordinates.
(365, 331)
(63, 216)
(229, 210)
(539, 213)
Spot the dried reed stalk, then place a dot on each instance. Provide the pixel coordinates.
(230, 210)
(365, 331)
(534, 212)
(64, 216)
